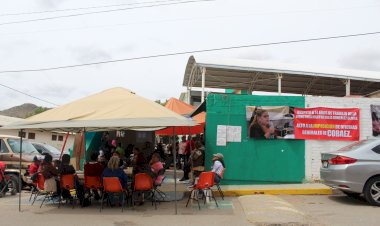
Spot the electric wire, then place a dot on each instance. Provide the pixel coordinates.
(103, 11)
(84, 8)
(191, 52)
(28, 94)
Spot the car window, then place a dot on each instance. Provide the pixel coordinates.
(39, 148)
(376, 149)
(3, 147)
(52, 149)
(27, 147)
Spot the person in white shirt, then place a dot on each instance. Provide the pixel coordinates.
(218, 166)
(181, 150)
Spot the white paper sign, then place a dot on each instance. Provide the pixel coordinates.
(221, 135)
(233, 133)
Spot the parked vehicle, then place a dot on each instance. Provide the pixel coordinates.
(10, 155)
(354, 169)
(47, 148)
(8, 183)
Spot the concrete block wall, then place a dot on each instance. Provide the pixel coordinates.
(314, 148)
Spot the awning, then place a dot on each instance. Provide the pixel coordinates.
(264, 76)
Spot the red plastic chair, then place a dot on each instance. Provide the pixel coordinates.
(112, 185)
(144, 182)
(204, 184)
(92, 182)
(68, 183)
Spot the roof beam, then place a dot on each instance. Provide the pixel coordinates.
(309, 84)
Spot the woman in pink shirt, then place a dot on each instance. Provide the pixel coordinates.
(157, 168)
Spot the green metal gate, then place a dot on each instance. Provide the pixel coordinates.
(253, 161)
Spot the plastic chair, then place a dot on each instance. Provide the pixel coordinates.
(41, 190)
(204, 184)
(68, 183)
(156, 186)
(91, 183)
(218, 185)
(144, 182)
(112, 185)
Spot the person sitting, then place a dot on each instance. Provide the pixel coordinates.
(121, 162)
(66, 169)
(157, 168)
(218, 166)
(49, 172)
(33, 168)
(120, 150)
(197, 159)
(141, 166)
(94, 169)
(113, 170)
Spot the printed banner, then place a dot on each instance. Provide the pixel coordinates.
(327, 123)
(375, 113)
(270, 122)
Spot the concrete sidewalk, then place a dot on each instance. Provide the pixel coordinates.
(268, 189)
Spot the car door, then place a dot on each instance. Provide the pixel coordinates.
(4, 151)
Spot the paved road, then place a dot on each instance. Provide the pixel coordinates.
(336, 210)
(315, 210)
(229, 213)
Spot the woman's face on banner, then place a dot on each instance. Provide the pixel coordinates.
(264, 119)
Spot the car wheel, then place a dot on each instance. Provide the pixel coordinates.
(13, 185)
(351, 194)
(372, 191)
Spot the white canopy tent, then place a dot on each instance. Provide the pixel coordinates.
(112, 109)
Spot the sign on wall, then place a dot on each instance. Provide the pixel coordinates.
(375, 113)
(270, 122)
(327, 123)
(285, 122)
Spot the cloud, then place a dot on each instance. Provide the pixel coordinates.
(50, 3)
(88, 54)
(368, 59)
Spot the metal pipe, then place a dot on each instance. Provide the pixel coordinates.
(203, 84)
(19, 176)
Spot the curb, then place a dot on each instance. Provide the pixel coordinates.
(309, 191)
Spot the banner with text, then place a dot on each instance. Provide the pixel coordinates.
(327, 123)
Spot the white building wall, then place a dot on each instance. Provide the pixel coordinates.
(314, 148)
(45, 137)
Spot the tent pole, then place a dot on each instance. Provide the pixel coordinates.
(19, 176)
(175, 169)
(64, 145)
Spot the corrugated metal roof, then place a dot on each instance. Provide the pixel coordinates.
(262, 76)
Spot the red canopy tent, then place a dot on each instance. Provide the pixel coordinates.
(183, 108)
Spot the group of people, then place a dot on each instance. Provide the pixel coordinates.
(192, 153)
(96, 167)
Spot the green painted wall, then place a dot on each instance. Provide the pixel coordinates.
(253, 161)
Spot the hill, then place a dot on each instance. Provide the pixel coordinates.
(23, 111)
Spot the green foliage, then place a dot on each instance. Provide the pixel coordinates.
(162, 103)
(36, 111)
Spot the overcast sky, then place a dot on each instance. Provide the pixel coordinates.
(167, 29)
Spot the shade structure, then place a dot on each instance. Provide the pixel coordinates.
(112, 109)
(183, 108)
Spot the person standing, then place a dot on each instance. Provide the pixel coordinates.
(181, 150)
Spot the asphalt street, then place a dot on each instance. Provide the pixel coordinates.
(259, 210)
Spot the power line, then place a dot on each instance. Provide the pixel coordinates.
(84, 8)
(103, 11)
(28, 94)
(192, 52)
